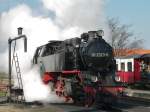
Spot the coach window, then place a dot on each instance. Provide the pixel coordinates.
(122, 66)
(129, 66)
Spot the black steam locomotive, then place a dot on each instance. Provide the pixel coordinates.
(79, 69)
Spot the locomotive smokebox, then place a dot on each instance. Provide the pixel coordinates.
(96, 53)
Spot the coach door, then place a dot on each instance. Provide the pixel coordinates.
(125, 70)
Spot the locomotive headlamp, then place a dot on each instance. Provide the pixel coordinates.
(100, 33)
(77, 46)
(94, 78)
(20, 30)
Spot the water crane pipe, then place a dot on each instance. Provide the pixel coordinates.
(9, 57)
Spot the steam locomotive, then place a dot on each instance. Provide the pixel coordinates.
(79, 69)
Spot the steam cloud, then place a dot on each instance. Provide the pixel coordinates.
(71, 18)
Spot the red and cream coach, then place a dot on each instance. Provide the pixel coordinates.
(133, 69)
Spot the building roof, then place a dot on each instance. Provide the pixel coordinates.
(136, 56)
(130, 52)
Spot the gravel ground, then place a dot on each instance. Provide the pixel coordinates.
(22, 108)
(123, 105)
(68, 108)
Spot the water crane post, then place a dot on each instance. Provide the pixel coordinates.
(20, 35)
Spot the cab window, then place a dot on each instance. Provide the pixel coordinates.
(36, 55)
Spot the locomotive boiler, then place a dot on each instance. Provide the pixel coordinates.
(81, 69)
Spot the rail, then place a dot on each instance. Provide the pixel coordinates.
(135, 100)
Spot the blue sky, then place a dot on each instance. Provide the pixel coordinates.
(132, 12)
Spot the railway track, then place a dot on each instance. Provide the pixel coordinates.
(125, 104)
(133, 104)
(135, 100)
(129, 104)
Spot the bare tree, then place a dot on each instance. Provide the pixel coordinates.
(122, 37)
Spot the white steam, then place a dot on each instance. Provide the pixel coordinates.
(78, 16)
(72, 17)
(84, 14)
(35, 90)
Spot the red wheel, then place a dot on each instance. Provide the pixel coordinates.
(61, 91)
(59, 88)
(89, 100)
(89, 96)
